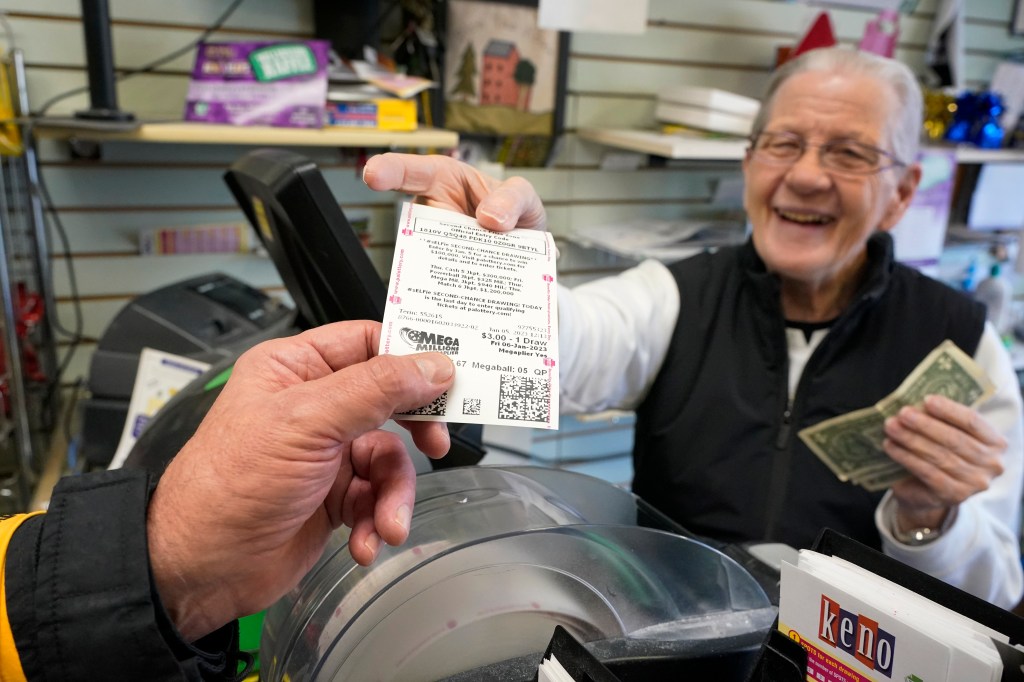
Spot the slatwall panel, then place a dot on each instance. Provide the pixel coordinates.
(728, 44)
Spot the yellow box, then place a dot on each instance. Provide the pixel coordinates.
(379, 114)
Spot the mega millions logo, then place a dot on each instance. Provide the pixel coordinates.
(857, 635)
(422, 341)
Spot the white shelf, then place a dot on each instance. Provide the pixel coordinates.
(974, 155)
(681, 147)
(204, 133)
(669, 146)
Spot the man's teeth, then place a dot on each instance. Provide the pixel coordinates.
(811, 218)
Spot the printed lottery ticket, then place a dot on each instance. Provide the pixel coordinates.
(488, 300)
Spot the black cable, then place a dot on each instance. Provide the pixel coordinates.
(76, 335)
(152, 65)
(62, 234)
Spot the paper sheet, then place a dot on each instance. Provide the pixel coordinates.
(599, 16)
(920, 236)
(159, 377)
(997, 202)
(488, 300)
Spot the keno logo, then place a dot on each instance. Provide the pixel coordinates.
(857, 635)
(428, 341)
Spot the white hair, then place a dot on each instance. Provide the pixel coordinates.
(906, 131)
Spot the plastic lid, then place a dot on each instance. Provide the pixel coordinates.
(494, 560)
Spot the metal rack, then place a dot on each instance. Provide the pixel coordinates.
(27, 303)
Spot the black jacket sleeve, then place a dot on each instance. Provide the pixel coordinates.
(80, 596)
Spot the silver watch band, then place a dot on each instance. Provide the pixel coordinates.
(915, 537)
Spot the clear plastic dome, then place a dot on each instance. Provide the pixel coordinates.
(495, 559)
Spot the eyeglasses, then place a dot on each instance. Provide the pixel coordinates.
(840, 156)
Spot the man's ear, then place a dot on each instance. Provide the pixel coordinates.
(901, 198)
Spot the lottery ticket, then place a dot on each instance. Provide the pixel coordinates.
(486, 299)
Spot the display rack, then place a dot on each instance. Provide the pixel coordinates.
(29, 370)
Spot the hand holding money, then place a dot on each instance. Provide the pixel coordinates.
(851, 445)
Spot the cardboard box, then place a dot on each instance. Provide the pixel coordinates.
(259, 83)
(380, 114)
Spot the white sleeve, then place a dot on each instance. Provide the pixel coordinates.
(981, 553)
(613, 335)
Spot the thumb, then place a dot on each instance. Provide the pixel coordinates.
(363, 396)
(513, 203)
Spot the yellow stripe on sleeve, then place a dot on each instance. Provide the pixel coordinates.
(10, 664)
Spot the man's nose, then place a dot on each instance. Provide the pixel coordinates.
(807, 170)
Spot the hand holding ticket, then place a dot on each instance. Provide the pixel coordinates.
(487, 300)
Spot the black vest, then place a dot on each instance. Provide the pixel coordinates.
(716, 439)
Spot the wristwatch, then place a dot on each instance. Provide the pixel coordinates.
(915, 537)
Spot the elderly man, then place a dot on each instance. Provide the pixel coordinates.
(726, 356)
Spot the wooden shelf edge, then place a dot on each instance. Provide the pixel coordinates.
(202, 133)
(697, 149)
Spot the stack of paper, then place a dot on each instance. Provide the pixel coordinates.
(362, 95)
(856, 625)
(664, 240)
(550, 670)
(707, 109)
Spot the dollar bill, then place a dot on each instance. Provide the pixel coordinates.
(881, 480)
(851, 444)
(847, 443)
(947, 371)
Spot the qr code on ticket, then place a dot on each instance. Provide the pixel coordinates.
(437, 408)
(524, 398)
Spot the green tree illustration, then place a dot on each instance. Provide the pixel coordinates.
(524, 75)
(466, 85)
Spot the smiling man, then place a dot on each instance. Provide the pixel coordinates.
(726, 356)
(814, 212)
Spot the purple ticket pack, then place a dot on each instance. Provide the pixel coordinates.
(259, 83)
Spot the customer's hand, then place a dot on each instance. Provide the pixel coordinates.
(951, 452)
(443, 182)
(288, 453)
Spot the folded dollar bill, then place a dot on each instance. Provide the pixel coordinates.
(851, 444)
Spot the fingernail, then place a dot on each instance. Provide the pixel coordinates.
(362, 175)
(403, 515)
(435, 367)
(497, 216)
(372, 543)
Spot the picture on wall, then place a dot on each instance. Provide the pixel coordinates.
(504, 76)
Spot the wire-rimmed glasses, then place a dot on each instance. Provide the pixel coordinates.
(841, 156)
